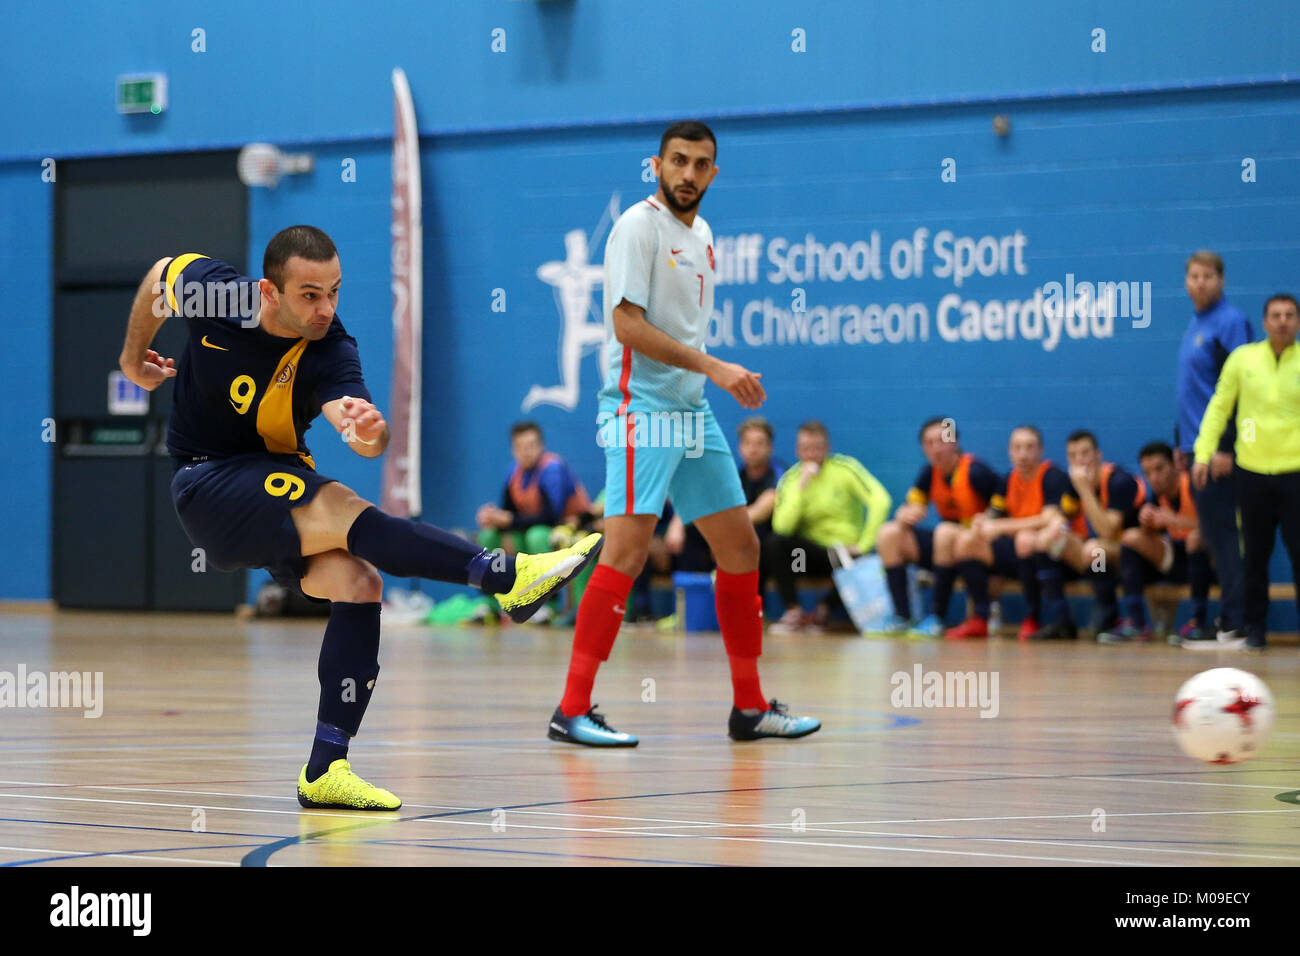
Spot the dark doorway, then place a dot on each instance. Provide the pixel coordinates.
(116, 540)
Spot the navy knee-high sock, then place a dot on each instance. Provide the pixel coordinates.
(976, 576)
(1106, 588)
(412, 549)
(896, 578)
(1027, 569)
(1051, 576)
(944, 576)
(1130, 572)
(1198, 576)
(347, 669)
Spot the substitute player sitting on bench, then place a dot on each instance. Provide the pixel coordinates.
(1002, 540)
(1104, 500)
(960, 486)
(1165, 546)
(541, 503)
(263, 358)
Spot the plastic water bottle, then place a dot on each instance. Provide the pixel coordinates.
(995, 617)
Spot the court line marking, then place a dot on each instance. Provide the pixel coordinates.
(1046, 841)
(78, 854)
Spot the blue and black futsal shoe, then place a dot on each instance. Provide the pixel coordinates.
(774, 722)
(588, 729)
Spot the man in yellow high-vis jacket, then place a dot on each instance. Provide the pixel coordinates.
(1263, 378)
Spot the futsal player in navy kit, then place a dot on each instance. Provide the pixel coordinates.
(263, 359)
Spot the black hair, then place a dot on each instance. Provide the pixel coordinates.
(306, 242)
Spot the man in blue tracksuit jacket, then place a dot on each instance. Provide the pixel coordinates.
(1215, 330)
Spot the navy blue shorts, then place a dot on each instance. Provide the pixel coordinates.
(1005, 562)
(237, 510)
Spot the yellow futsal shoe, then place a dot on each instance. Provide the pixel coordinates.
(338, 788)
(539, 577)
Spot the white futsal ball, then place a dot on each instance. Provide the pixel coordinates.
(1223, 715)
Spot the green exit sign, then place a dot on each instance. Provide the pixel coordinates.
(142, 93)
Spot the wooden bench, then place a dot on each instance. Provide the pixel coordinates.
(1162, 598)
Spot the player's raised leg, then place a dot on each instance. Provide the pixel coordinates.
(731, 536)
(348, 668)
(337, 518)
(600, 614)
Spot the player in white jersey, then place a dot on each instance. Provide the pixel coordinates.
(662, 442)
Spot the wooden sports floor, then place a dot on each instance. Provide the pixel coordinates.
(207, 720)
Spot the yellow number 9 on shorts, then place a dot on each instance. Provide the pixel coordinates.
(279, 483)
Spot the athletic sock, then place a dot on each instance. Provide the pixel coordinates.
(412, 549)
(1130, 572)
(740, 618)
(944, 576)
(600, 613)
(1051, 577)
(347, 670)
(1027, 571)
(1106, 586)
(976, 576)
(897, 580)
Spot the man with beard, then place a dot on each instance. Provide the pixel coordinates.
(263, 358)
(658, 299)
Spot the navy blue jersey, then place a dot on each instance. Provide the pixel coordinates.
(240, 389)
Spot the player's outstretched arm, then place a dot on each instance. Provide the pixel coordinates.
(138, 362)
(633, 330)
(360, 423)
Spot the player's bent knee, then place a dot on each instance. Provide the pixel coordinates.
(1026, 544)
(367, 585)
(338, 576)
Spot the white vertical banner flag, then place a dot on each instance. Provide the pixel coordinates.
(401, 487)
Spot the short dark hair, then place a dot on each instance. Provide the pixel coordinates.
(306, 242)
(688, 129)
(518, 428)
(814, 427)
(1281, 297)
(937, 421)
(755, 421)
(1030, 428)
(1205, 257)
(1157, 448)
(1081, 434)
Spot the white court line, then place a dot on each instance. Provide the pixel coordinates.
(1195, 783)
(446, 751)
(655, 831)
(659, 832)
(627, 832)
(131, 856)
(656, 820)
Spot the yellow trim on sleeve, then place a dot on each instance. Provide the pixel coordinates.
(174, 269)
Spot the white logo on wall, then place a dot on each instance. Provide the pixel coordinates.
(582, 324)
(125, 397)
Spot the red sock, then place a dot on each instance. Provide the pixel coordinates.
(600, 613)
(740, 615)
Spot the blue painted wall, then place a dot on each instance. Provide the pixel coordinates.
(843, 141)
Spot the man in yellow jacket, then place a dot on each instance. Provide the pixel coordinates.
(1263, 379)
(823, 501)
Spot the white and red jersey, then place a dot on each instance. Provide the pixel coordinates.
(654, 260)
